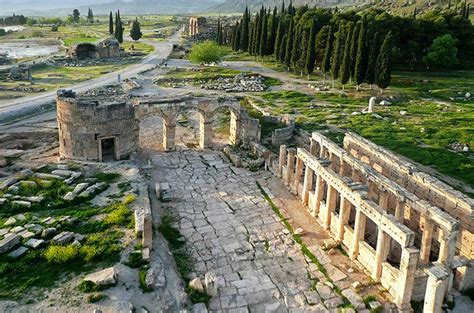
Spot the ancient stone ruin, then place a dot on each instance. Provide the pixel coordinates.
(197, 25)
(15, 73)
(99, 130)
(108, 48)
(410, 231)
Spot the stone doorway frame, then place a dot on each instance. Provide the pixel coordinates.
(116, 149)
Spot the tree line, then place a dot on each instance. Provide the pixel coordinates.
(358, 46)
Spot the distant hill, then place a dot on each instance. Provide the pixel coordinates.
(65, 7)
(231, 6)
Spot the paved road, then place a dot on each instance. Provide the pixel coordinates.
(24, 104)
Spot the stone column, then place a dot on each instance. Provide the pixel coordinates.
(400, 210)
(313, 148)
(383, 200)
(298, 172)
(322, 152)
(308, 183)
(435, 289)
(282, 160)
(344, 214)
(169, 129)
(234, 128)
(380, 253)
(447, 246)
(205, 132)
(426, 239)
(359, 229)
(408, 263)
(318, 195)
(290, 166)
(330, 206)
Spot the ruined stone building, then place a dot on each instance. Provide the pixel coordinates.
(411, 232)
(15, 73)
(197, 25)
(95, 130)
(108, 48)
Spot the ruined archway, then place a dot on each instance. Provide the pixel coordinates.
(86, 51)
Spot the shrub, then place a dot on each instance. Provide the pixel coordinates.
(36, 33)
(88, 286)
(206, 52)
(135, 260)
(95, 297)
(107, 177)
(129, 199)
(61, 254)
(142, 279)
(119, 216)
(2, 32)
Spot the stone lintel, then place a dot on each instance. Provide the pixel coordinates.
(437, 271)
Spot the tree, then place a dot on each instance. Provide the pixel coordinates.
(320, 44)
(361, 59)
(279, 37)
(244, 38)
(383, 69)
(442, 53)
(355, 38)
(111, 23)
(206, 52)
(262, 49)
(75, 16)
(327, 53)
(373, 54)
(90, 16)
(135, 31)
(120, 32)
(282, 52)
(311, 50)
(273, 32)
(346, 60)
(289, 43)
(337, 53)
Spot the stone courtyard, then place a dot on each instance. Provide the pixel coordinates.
(232, 231)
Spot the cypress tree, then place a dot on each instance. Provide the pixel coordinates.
(90, 16)
(320, 44)
(135, 31)
(296, 49)
(219, 32)
(337, 53)
(346, 60)
(256, 34)
(272, 32)
(311, 50)
(373, 54)
(289, 43)
(111, 24)
(361, 59)
(250, 40)
(282, 11)
(120, 31)
(279, 37)
(355, 38)
(262, 49)
(383, 69)
(282, 52)
(244, 37)
(326, 63)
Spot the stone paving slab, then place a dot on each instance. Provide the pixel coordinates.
(231, 230)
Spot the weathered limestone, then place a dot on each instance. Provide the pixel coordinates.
(385, 216)
(104, 277)
(435, 289)
(9, 242)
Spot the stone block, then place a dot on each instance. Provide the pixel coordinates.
(210, 282)
(34, 243)
(15, 254)
(63, 237)
(7, 243)
(21, 203)
(104, 277)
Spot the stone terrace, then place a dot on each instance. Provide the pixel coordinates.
(233, 232)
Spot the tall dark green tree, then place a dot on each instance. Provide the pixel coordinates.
(111, 23)
(383, 69)
(262, 49)
(244, 37)
(282, 52)
(336, 58)
(320, 44)
(76, 16)
(273, 25)
(289, 43)
(361, 59)
(90, 16)
(279, 37)
(326, 63)
(219, 32)
(373, 54)
(296, 49)
(354, 41)
(345, 71)
(135, 31)
(311, 49)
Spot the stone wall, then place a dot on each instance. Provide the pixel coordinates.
(84, 123)
(421, 184)
(386, 228)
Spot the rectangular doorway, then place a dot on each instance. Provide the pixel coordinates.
(108, 149)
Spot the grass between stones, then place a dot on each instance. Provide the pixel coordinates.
(181, 256)
(304, 249)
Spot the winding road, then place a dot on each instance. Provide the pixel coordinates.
(11, 108)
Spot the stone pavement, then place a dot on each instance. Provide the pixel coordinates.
(232, 231)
